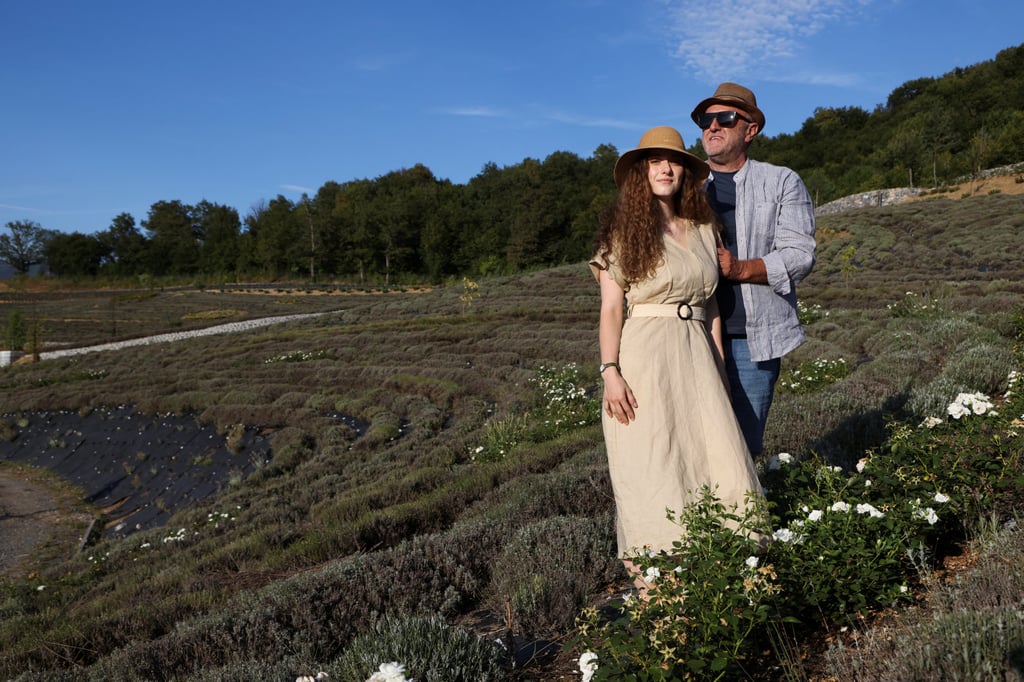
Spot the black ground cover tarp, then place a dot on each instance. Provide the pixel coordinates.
(135, 469)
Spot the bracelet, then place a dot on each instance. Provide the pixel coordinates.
(606, 365)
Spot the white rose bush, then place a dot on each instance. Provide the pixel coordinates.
(842, 541)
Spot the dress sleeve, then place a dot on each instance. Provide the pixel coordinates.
(607, 262)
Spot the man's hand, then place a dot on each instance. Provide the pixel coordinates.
(727, 265)
(750, 271)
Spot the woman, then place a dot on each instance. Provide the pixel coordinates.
(668, 424)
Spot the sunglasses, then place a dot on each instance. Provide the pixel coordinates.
(726, 119)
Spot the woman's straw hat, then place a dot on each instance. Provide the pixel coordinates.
(662, 138)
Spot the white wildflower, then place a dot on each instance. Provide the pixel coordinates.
(931, 422)
(861, 463)
(814, 515)
(840, 507)
(652, 574)
(751, 562)
(941, 499)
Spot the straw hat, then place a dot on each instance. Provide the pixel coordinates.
(732, 95)
(662, 138)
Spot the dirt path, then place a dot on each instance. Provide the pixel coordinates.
(34, 519)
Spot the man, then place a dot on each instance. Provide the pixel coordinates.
(768, 235)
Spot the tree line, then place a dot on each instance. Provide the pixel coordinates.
(406, 225)
(409, 225)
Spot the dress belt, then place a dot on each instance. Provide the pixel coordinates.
(684, 311)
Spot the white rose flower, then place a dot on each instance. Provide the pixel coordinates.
(389, 672)
(588, 665)
(956, 410)
(783, 535)
(870, 510)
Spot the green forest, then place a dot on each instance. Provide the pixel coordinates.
(409, 226)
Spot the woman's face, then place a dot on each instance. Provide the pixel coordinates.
(665, 174)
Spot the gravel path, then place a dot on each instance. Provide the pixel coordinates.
(228, 328)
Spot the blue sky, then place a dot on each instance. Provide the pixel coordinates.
(110, 106)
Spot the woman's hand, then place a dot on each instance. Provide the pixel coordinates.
(619, 401)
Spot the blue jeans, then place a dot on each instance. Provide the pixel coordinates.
(753, 387)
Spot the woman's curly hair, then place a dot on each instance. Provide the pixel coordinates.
(632, 227)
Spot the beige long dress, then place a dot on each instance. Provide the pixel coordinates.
(685, 434)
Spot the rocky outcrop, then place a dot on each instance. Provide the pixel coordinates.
(878, 197)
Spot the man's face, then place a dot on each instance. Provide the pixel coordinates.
(726, 147)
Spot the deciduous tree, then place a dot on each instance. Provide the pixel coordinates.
(75, 254)
(23, 247)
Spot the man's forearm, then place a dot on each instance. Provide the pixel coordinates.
(749, 271)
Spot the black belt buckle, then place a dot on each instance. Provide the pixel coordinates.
(689, 311)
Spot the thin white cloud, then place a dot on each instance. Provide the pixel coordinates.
(297, 188)
(537, 118)
(573, 119)
(731, 39)
(27, 209)
(474, 112)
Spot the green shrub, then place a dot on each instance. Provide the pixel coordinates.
(976, 646)
(915, 306)
(812, 374)
(967, 632)
(542, 595)
(429, 649)
(15, 334)
(500, 436)
(705, 599)
(836, 552)
(563, 401)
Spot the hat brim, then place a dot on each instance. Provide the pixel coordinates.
(694, 164)
(729, 102)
